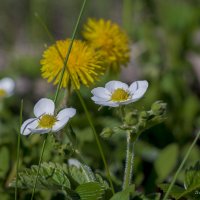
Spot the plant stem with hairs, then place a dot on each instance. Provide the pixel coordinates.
(128, 173)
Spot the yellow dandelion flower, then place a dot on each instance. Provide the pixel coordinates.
(84, 63)
(110, 39)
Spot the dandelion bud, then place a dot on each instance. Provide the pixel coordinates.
(107, 133)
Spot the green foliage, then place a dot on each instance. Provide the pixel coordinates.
(191, 184)
(154, 196)
(165, 52)
(74, 180)
(125, 194)
(166, 161)
(91, 191)
(192, 176)
(138, 121)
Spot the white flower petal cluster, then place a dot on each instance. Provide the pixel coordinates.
(45, 119)
(117, 93)
(7, 86)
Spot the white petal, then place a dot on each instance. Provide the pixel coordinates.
(43, 106)
(8, 85)
(140, 90)
(94, 98)
(27, 125)
(66, 113)
(40, 130)
(107, 103)
(138, 85)
(113, 85)
(60, 124)
(101, 92)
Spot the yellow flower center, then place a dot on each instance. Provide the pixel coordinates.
(2, 93)
(47, 121)
(120, 95)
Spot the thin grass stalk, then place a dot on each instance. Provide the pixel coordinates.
(80, 98)
(18, 147)
(181, 166)
(57, 91)
(127, 15)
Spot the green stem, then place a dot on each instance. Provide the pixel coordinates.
(127, 15)
(39, 165)
(97, 140)
(60, 81)
(129, 162)
(69, 49)
(78, 92)
(18, 147)
(181, 166)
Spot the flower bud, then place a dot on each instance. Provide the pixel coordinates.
(144, 115)
(131, 119)
(158, 108)
(107, 133)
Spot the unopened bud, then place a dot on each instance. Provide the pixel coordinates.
(144, 115)
(107, 133)
(131, 119)
(158, 108)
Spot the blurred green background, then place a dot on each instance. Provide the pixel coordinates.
(165, 43)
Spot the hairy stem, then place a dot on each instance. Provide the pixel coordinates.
(181, 166)
(129, 162)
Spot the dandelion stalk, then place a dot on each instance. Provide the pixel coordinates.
(129, 162)
(181, 166)
(18, 147)
(58, 89)
(78, 92)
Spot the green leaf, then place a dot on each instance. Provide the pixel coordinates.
(91, 191)
(192, 185)
(176, 191)
(166, 161)
(125, 194)
(192, 176)
(79, 172)
(64, 178)
(154, 196)
(51, 177)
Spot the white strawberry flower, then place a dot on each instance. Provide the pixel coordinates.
(45, 119)
(117, 93)
(7, 86)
